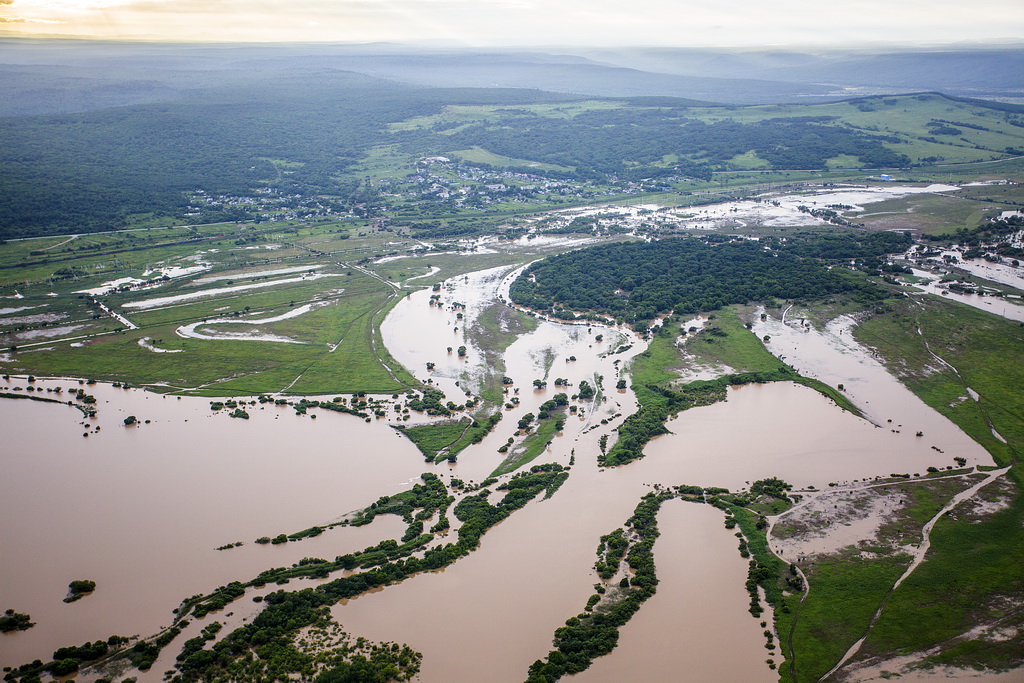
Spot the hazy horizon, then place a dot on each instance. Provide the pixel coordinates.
(524, 23)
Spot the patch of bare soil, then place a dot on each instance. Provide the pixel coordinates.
(872, 520)
(886, 520)
(993, 498)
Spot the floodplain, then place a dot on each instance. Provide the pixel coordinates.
(232, 386)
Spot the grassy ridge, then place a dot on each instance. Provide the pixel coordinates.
(978, 345)
(973, 569)
(903, 119)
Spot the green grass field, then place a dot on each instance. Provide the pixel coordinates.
(531, 447)
(984, 135)
(339, 347)
(480, 155)
(973, 568)
(844, 594)
(970, 577)
(435, 437)
(227, 368)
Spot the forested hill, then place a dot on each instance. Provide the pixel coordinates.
(632, 142)
(103, 170)
(637, 281)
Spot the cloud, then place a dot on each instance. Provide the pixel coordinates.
(9, 20)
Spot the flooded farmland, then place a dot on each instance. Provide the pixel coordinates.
(141, 509)
(160, 497)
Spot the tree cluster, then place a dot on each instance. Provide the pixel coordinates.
(268, 641)
(637, 281)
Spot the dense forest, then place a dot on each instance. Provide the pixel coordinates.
(93, 171)
(638, 281)
(329, 135)
(844, 245)
(632, 142)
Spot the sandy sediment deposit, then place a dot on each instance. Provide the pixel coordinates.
(168, 300)
(249, 274)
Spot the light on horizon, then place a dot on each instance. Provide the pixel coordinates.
(521, 22)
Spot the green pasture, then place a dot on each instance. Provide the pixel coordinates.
(480, 155)
(933, 214)
(349, 307)
(972, 570)
(974, 342)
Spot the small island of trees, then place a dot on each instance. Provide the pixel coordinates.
(79, 589)
(15, 621)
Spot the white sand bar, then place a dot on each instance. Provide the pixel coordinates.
(255, 273)
(166, 300)
(190, 331)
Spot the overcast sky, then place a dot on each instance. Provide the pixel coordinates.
(526, 22)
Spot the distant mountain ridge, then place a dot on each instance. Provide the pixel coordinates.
(995, 71)
(64, 76)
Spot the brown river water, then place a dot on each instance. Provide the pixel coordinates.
(140, 510)
(697, 559)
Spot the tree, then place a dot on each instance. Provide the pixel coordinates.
(585, 391)
(62, 667)
(358, 670)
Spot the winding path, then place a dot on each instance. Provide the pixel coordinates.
(919, 556)
(919, 553)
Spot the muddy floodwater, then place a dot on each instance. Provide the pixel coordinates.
(833, 355)
(697, 564)
(792, 432)
(140, 510)
(503, 603)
